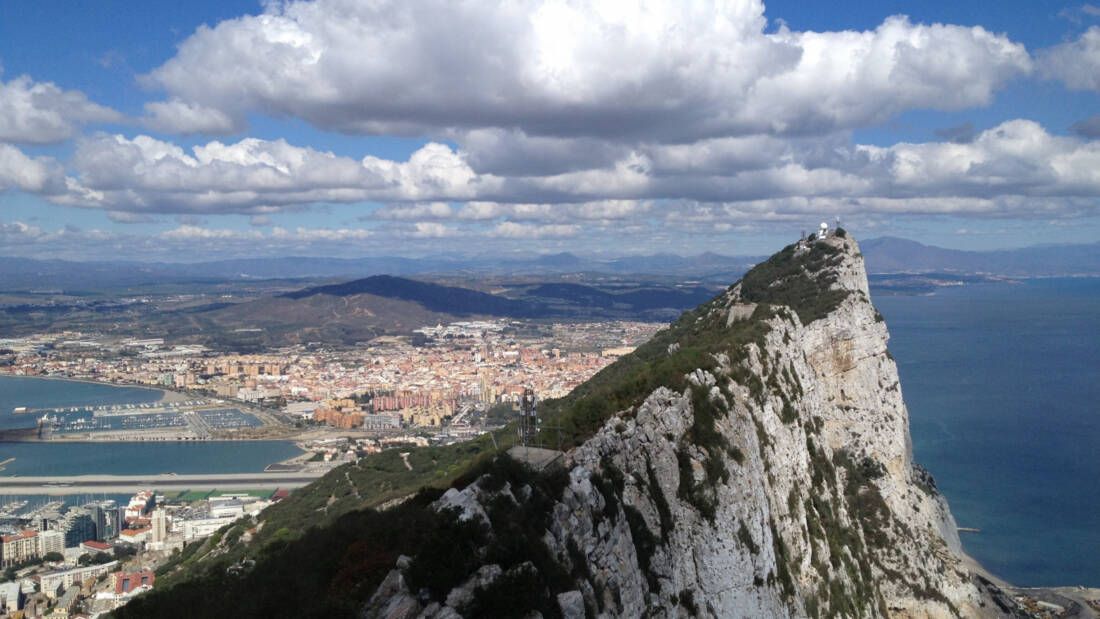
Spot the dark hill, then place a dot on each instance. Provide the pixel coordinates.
(361, 309)
(433, 297)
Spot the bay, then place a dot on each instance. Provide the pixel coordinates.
(145, 458)
(116, 458)
(1002, 382)
(37, 392)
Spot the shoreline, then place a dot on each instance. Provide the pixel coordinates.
(30, 435)
(167, 396)
(154, 435)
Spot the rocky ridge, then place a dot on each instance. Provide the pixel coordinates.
(774, 479)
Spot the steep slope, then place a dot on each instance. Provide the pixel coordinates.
(753, 460)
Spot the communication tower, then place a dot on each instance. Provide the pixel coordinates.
(529, 421)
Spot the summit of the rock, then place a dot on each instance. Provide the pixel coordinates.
(751, 460)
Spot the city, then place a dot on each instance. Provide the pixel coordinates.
(439, 385)
(93, 557)
(442, 382)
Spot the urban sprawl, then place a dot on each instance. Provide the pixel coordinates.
(441, 384)
(435, 380)
(61, 560)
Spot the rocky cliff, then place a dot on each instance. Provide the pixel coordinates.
(757, 463)
(752, 460)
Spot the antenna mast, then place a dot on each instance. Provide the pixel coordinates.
(529, 423)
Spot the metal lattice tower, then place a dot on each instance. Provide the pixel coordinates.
(529, 422)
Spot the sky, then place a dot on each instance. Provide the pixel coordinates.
(186, 131)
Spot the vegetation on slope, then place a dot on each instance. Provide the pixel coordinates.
(800, 281)
(326, 547)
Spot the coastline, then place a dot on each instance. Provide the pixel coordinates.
(167, 396)
(1000, 593)
(149, 435)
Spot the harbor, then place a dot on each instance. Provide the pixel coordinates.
(169, 419)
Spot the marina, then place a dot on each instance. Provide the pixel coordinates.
(185, 419)
(106, 410)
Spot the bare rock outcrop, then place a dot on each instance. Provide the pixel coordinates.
(775, 479)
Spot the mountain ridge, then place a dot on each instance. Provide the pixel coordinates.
(751, 460)
(433, 297)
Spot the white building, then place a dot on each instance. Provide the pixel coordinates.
(51, 541)
(160, 526)
(58, 581)
(11, 597)
(301, 409)
(226, 508)
(203, 527)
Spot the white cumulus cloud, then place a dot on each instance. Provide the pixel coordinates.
(255, 176)
(184, 118)
(1076, 63)
(661, 70)
(42, 113)
(32, 174)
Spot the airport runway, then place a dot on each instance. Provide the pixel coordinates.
(123, 484)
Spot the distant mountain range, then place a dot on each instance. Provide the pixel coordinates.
(258, 303)
(895, 255)
(884, 255)
(18, 273)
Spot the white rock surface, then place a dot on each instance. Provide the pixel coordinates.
(786, 538)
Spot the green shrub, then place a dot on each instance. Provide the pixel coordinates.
(799, 281)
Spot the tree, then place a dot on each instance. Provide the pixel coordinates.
(53, 557)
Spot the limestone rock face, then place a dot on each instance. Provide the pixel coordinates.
(777, 483)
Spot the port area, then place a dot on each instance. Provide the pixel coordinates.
(176, 417)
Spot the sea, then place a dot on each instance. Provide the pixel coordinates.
(117, 458)
(1002, 382)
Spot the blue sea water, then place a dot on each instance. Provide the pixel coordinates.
(1002, 382)
(53, 393)
(116, 458)
(32, 459)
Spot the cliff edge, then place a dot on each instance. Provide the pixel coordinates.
(752, 460)
(772, 479)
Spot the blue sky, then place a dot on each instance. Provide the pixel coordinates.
(182, 131)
